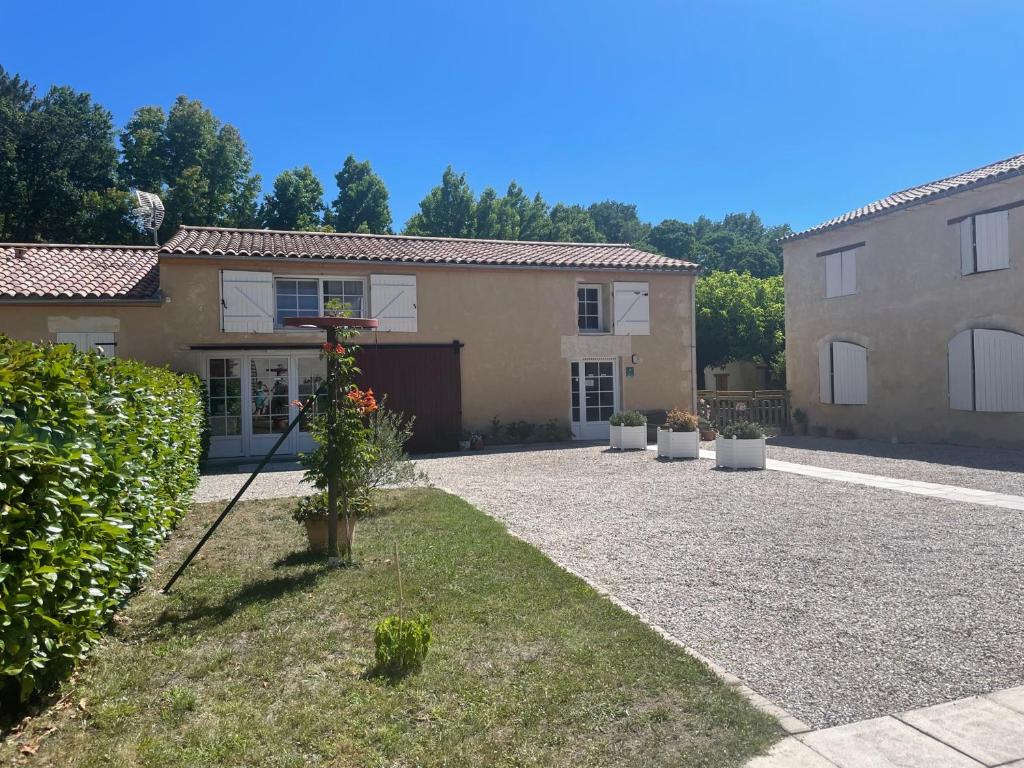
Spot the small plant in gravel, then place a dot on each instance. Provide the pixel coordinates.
(743, 430)
(628, 419)
(678, 420)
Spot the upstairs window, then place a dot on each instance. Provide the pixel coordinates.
(841, 272)
(589, 309)
(843, 373)
(984, 242)
(348, 292)
(296, 298)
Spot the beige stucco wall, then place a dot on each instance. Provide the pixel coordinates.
(743, 374)
(518, 327)
(911, 300)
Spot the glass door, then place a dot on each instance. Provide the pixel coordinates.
(594, 391)
(311, 373)
(269, 404)
(224, 405)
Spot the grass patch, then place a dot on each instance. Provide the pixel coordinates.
(261, 657)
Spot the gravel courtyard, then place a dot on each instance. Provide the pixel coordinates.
(839, 602)
(987, 469)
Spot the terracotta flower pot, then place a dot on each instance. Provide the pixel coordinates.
(316, 532)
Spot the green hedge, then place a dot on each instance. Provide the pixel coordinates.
(98, 460)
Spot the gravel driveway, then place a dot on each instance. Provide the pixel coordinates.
(839, 602)
(987, 469)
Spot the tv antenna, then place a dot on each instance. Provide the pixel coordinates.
(149, 212)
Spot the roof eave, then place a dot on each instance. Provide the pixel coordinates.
(814, 231)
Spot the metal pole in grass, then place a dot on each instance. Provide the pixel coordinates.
(330, 324)
(243, 489)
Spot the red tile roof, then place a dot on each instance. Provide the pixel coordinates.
(212, 241)
(78, 272)
(961, 182)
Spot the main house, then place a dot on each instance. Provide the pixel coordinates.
(470, 330)
(905, 318)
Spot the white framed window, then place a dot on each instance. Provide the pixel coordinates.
(986, 371)
(351, 293)
(843, 373)
(590, 308)
(103, 343)
(224, 396)
(841, 273)
(308, 296)
(985, 242)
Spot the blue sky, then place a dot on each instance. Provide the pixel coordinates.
(799, 110)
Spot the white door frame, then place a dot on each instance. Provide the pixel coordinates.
(598, 430)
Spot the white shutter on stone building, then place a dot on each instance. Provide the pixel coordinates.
(849, 374)
(632, 309)
(393, 302)
(961, 372)
(998, 371)
(247, 301)
(991, 236)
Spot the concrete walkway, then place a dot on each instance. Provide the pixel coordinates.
(969, 733)
(918, 487)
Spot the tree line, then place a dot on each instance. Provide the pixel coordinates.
(65, 176)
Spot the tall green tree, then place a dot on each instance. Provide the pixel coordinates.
(201, 167)
(448, 210)
(297, 201)
(496, 217)
(533, 215)
(740, 317)
(362, 201)
(674, 238)
(619, 223)
(572, 223)
(59, 163)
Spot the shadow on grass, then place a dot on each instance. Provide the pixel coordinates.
(256, 593)
(387, 676)
(301, 557)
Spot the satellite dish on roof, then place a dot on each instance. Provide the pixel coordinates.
(149, 212)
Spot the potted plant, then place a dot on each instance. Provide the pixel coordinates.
(741, 446)
(677, 438)
(800, 419)
(707, 429)
(628, 431)
(311, 511)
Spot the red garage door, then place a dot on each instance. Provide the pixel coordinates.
(421, 380)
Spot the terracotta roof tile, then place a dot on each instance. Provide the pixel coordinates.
(211, 241)
(78, 272)
(987, 174)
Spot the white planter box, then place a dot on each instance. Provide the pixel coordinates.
(628, 438)
(740, 454)
(678, 445)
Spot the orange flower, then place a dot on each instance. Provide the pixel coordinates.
(365, 402)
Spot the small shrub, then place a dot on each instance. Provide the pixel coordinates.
(799, 416)
(677, 420)
(402, 644)
(315, 507)
(628, 419)
(743, 430)
(514, 432)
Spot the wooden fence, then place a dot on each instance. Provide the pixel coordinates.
(768, 407)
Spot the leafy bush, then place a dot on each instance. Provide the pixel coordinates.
(743, 430)
(799, 416)
(402, 644)
(628, 419)
(681, 421)
(98, 460)
(314, 507)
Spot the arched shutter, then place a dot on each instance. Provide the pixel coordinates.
(849, 374)
(961, 372)
(998, 371)
(825, 372)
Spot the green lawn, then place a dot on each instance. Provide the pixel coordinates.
(261, 655)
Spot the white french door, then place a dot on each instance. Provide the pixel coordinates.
(595, 397)
(250, 401)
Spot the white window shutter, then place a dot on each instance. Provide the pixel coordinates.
(247, 301)
(849, 373)
(825, 372)
(992, 238)
(393, 302)
(967, 246)
(104, 343)
(961, 373)
(833, 275)
(849, 272)
(998, 371)
(631, 306)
